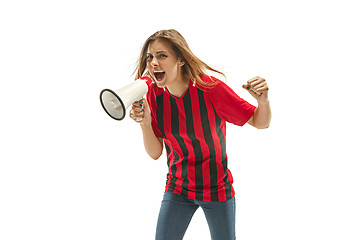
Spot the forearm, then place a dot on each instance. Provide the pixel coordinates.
(140, 113)
(152, 144)
(262, 115)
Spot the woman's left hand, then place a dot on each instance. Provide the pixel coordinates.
(258, 88)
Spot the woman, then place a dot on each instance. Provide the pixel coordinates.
(185, 110)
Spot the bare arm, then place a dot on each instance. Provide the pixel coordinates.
(262, 116)
(258, 88)
(140, 113)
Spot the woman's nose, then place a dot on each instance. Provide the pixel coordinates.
(154, 62)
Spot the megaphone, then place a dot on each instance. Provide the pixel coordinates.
(116, 102)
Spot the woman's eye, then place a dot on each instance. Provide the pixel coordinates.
(163, 56)
(149, 57)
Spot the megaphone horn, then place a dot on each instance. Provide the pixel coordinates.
(116, 102)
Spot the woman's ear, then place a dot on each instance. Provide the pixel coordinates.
(181, 62)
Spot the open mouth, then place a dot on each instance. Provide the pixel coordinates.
(159, 75)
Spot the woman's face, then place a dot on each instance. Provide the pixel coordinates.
(163, 64)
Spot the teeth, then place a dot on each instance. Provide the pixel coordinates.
(158, 71)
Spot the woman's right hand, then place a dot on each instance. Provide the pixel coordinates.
(140, 112)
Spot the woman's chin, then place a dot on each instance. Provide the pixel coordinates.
(160, 84)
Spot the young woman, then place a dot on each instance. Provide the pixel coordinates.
(185, 110)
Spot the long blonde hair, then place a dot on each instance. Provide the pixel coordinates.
(193, 67)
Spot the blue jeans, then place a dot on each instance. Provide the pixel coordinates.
(176, 212)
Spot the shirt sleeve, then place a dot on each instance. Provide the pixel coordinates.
(229, 106)
(151, 98)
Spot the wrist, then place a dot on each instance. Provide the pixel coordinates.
(145, 124)
(267, 101)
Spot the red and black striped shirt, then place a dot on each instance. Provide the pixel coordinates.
(193, 128)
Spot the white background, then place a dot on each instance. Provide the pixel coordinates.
(68, 171)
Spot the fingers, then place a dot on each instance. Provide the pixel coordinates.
(261, 86)
(140, 112)
(137, 112)
(257, 85)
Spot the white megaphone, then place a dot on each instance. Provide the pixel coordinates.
(116, 102)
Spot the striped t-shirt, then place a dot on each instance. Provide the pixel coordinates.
(193, 128)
